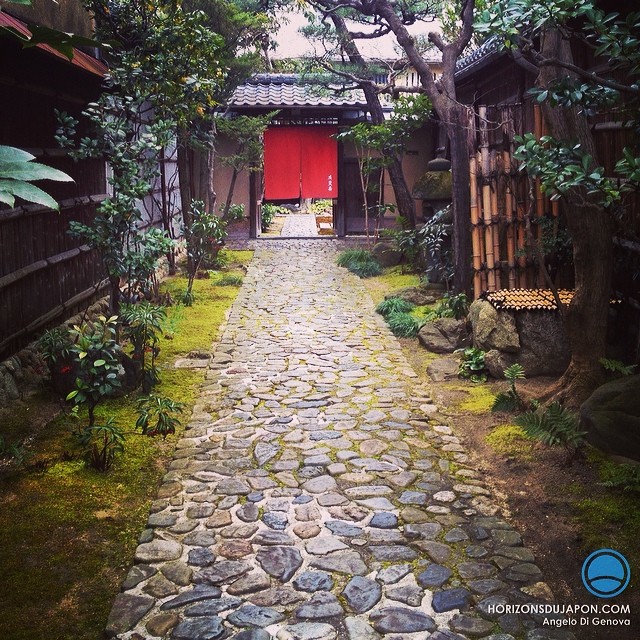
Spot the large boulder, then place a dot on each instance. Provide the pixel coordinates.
(493, 329)
(544, 345)
(444, 335)
(534, 339)
(387, 254)
(611, 417)
(421, 295)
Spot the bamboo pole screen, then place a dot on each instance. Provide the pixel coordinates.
(500, 206)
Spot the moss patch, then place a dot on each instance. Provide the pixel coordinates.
(479, 399)
(391, 279)
(510, 440)
(68, 533)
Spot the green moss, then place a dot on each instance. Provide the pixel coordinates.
(68, 533)
(479, 400)
(391, 279)
(611, 520)
(511, 440)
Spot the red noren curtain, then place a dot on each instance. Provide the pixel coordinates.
(300, 161)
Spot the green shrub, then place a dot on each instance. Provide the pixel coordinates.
(236, 212)
(472, 365)
(394, 305)
(450, 306)
(403, 325)
(267, 214)
(157, 415)
(100, 444)
(554, 426)
(360, 262)
(229, 280)
(510, 400)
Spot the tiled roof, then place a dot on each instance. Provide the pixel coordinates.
(293, 90)
(483, 55)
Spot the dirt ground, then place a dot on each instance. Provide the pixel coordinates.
(537, 492)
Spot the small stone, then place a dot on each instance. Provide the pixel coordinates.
(306, 530)
(321, 605)
(321, 484)
(425, 530)
(471, 626)
(322, 545)
(337, 468)
(159, 587)
(384, 520)
(450, 599)
(307, 513)
(199, 539)
(160, 625)
(401, 620)
(411, 515)
(358, 629)
(158, 551)
(409, 594)
(340, 528)
(348, 562)
(331, 500)
(265, 451)
(376, 504)
(437, 551)
(272, 538)
(126, 612)
(222, 572)
(198, 593)
(250, 615)
(393, 553)
(212, 607)
(178, 572)
(239, 531)
(313, 581)
(200, 511)
(234, 549)
(484, 587)
(248, 512)
(137, 574)
(434, 575)
(250, 583)
(392, 574)
(275, 520)
(308, 631)
(413, 497)
(362, 594)
(219, 519)
(201, 557)
(279, 562)
(253, 634)
(200, 628)
(233, 487)
(445, 496)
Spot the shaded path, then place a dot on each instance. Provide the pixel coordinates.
(316, 494)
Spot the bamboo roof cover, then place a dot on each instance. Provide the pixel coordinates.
(527, 299)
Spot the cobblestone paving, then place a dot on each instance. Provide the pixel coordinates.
(300, 225)
(317, 494)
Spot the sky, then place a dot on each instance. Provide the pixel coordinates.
(292, 44)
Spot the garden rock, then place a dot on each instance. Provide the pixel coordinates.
(611, 416)
(534, 339)
(386, 254)
(444, 335)
(443, 369)
(493, 329)
(420, 296)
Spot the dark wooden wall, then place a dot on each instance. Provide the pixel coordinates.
(45, 274)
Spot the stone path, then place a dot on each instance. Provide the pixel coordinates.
(300, 225)
(317, 494)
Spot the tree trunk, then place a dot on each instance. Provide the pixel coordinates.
(591, 231)
(456, 125)
(232, 188)
(404, 200)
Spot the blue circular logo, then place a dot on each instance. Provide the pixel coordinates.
(606, 573)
